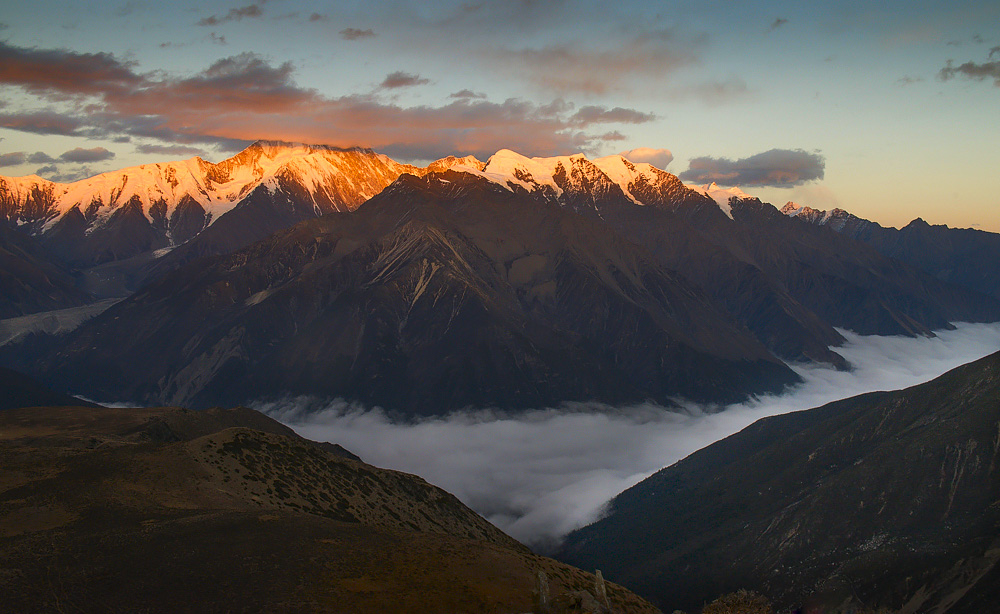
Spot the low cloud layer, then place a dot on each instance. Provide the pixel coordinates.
(541, 474)
(782, 168)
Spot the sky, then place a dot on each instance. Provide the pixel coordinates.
(887, 109)
(540, 474)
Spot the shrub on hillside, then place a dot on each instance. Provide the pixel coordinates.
(740, 602)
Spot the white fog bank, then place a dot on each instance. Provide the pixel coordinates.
(543, 473)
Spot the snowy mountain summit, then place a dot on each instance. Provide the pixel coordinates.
(122, 213)
(583, 184)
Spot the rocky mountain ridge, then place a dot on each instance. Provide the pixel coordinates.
(963, 256)
(120, 214)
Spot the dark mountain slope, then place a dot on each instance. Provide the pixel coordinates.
(886, 499)
(961, 256)
(17, 390)
(167, 510)
(262, 213)
(845, 283)
(732, 278)
(440, 293)
(31, 280)
(789, 283)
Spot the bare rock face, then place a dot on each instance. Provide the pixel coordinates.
(580, 601)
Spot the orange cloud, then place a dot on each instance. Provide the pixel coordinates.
(244, 97)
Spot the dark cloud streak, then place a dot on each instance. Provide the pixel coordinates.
(618, 115)
(613, 136)
(400, 79)
(14, 158)
(972, 70)
(567, 68)
(467, 94)
(57, 72)
(776, 167)
(79, 154)
(251, 11)
(353, 34)
(42, 122)
(40, 157)
(170, 150)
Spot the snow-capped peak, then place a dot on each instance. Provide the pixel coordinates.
(627, 173)
(506, 166)
(791, 209)
(454, 162)
(721, 195)
(582, 183)
(336, 179)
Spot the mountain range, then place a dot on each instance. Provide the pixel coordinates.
(518, 282)
(440, 293)
(120, 214)
(885, 500)
(962, 256)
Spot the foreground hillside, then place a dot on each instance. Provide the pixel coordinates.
(882, 500)
(166, 510)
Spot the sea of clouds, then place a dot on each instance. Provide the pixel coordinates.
(540, 474)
